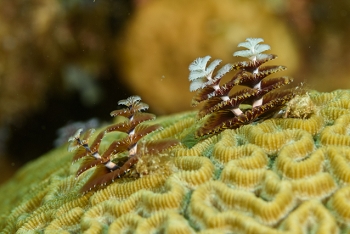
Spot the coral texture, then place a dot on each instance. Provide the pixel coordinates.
(287, 175)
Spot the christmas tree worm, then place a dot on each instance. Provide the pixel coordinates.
(108, 167)
(259, 94)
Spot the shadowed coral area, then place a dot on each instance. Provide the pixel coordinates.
(286, 175)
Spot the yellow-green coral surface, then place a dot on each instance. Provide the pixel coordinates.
(288, 175)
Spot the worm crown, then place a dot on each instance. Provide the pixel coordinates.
(259, 94)
(108, 166)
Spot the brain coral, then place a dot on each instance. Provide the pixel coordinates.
(279, 176)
